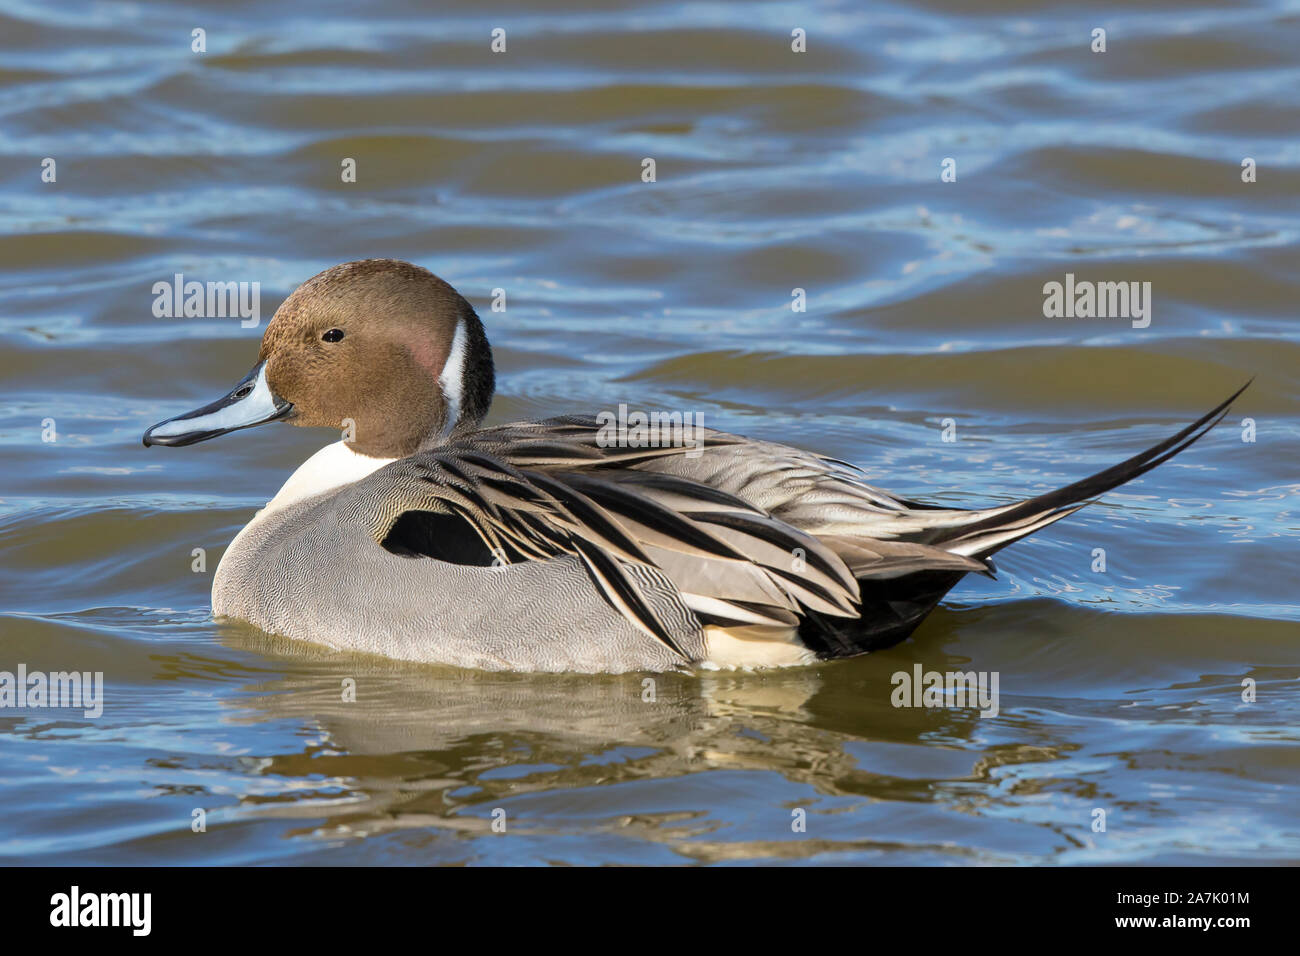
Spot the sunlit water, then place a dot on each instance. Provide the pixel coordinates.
(1121, 691)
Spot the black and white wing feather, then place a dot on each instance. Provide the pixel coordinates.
(729, 562)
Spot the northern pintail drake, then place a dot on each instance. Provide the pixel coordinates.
(545, 546)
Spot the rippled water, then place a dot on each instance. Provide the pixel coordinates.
(1120, 691)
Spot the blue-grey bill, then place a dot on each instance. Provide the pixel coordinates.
(249, 403)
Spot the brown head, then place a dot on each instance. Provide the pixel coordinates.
(379, 348)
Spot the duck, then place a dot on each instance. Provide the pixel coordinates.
(565, 544)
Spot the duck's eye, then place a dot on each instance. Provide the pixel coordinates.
(333, 335)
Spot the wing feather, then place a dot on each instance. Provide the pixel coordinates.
(730, 562)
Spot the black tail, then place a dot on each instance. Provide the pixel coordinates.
(1006, 525)
(891, 609)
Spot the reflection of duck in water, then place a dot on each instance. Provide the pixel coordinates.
(545, 545)
(397, 708)
(433, 747)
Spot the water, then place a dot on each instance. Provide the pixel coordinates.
(1120, 691)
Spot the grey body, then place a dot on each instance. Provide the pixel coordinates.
(307, 573)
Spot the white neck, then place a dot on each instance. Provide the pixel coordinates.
(452, 379)
(332, 467)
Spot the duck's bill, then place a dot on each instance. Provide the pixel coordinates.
(249, 403)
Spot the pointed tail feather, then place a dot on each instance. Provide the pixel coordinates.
(892, 607)
(1006, 525)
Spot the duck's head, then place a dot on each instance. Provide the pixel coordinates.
(381, 349)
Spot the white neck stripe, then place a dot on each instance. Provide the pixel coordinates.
(452, 379)
(332, 467)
